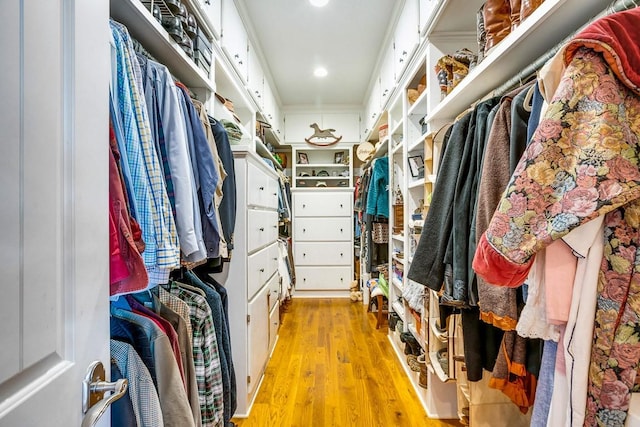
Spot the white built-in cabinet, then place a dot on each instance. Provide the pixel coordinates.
(427, 30)
(345, 124)
(212, 15)
(234, 38)
(253, 281)
(323, 242)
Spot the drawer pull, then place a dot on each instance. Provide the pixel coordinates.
(342, 279)
(261, 188)
(304, 255)
(341, 230)
(262, 270)
(341, 254)
(261, 228)
(340, 204)
(275, 259)
(304, 230)
(275, 194)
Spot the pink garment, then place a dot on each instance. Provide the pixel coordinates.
(559, 276)
(127, 270)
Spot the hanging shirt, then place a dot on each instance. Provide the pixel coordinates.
(206, 357)
(142, 392)
(137, 121)
(171, 392)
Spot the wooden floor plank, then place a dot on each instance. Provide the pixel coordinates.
(332, 367)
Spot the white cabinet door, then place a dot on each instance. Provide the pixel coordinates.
(373, 109)
(298, 126)
(213, 14)
(234, 38)
(54, 170)
(274, 325)
(406, 36)
(258, 337)
(387, 77)
(255, 78)
(346, 125)
(427, 7)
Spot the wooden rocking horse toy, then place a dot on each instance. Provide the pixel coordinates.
(320, 135)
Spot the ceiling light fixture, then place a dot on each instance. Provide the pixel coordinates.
(320, 72)
(319, 3)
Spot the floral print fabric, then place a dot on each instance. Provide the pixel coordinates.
(583, 163)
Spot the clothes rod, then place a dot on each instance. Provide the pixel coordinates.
(616, 6)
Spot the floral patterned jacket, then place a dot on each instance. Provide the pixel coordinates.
(583, 163)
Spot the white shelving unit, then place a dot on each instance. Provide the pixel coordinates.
(446, 26)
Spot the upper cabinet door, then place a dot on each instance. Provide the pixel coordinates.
(387, 77)
(234, 38)
(406, 36)
(213, 13)
(427, 8)
(255, 79)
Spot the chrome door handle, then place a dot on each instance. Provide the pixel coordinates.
(94, 387)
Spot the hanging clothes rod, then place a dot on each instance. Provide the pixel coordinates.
(522, 76)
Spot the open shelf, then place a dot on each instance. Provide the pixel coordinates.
(143, 27)
(399, 309)
(397, 283)
(417, 183)
(543, 29)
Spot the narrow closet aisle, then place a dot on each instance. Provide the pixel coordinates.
(332, 367)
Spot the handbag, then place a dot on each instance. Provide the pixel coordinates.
(380, 232)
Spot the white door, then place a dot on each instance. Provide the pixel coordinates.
(54, 316)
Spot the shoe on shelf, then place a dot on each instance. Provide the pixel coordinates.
(412, 361)
(422, 362)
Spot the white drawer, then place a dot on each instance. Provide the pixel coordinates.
(260, 267)
(262, 189)
(262, 228)
(323, 278)
(258, 337)
(323, 253)
(323, 229)
(274, 290)
(322, 204)
(274, 325)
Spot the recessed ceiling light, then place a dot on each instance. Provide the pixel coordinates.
(319, 3)
(320, 72)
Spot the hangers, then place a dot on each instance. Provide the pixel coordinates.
(138, 48)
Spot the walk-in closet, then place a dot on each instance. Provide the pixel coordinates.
(320, 213)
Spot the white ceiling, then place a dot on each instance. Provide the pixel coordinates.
(345, 36)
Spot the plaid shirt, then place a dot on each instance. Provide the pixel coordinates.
(205, 356)
(167, 247)
(179, 306)
(142, 391)
(129, 145)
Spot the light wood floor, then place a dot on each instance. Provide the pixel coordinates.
(331, 367)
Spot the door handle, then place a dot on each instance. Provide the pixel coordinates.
(94, 387)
